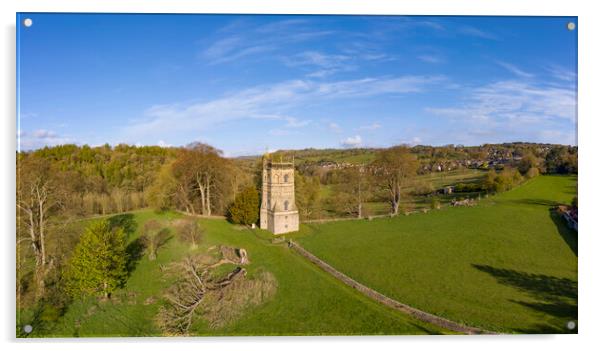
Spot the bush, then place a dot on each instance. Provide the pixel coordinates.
(532, 173)
(245, 209)
(505, 180)
(423, 188)
(468, 187)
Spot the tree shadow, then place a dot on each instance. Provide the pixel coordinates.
(126, 221)
(568, 234)
(541, 202)
(135, 252)
(555, 297)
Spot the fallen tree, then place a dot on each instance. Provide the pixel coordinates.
(199, 289)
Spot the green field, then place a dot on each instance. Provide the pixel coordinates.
(508, 264)
(308, 301)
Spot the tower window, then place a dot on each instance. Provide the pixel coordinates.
(286, 205)
(286, 178)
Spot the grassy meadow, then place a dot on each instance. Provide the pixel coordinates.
(438, 180)
(308, 301)
(507, 265)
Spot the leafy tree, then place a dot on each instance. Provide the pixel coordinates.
(353, 190)
(245, 208)
(528, 162)
(201, 171)
(162, 193)
(395, 168)
(561, 159)
(307, 194)
(98, 264)
(505, 180)
(532, 172)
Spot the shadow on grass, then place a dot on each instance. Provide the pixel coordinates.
(126, 221)
(135, 251)
(555, 297)
(568, 234)
(541, 202)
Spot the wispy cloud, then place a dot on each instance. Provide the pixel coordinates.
(562, 73)
(373, 126)
(431, 59)
(515, 101)
(514, 69)
(241, 39)
(476, 32)
(327, 64)
(334, 127)
(505, 109)
(270, 102)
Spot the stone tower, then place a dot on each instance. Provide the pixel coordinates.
(278, 210)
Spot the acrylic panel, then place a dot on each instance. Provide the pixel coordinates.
(270, 175)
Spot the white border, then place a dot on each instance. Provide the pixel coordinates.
(589, 144)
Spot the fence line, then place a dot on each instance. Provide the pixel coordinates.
(387, 301)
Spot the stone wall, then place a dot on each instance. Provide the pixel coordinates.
(375, 295)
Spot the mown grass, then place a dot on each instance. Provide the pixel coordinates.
(308, 301)
(508, 264)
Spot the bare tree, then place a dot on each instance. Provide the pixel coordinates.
(38, 195)
(189, 231)
(154, 238)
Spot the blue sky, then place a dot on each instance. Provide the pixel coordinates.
(245, 84)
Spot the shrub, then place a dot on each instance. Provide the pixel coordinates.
(468, 187)
(532, 173)
(245, 209)
(423, 188)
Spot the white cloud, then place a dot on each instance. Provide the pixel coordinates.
(514, 101)
(162, 143)
(268, 102)
(512, 111)
(351, 142)
(514, 70)
(40, 138)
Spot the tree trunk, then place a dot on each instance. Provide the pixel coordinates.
(208, 195)
(201, 187)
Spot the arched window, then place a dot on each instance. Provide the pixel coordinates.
(286, 178)
(276, 178)
(286, 205)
